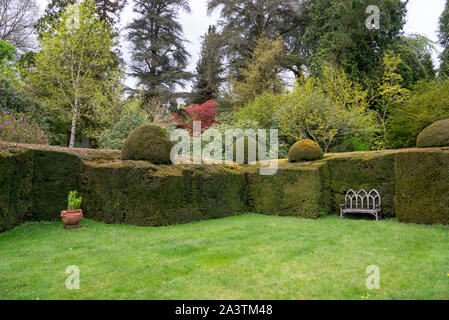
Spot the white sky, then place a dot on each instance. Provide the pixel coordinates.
(423, 16)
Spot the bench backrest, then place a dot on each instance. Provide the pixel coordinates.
(362, 199)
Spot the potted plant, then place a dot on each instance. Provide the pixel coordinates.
(73, 215)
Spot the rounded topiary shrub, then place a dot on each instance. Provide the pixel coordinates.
(435, 135)
(148, 142)
(305, 150)
(252, 142)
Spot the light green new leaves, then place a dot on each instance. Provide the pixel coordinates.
(74, 62)
(321, 108)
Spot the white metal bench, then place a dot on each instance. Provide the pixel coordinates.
(362, 202)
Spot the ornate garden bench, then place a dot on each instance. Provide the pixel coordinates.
(362, 202)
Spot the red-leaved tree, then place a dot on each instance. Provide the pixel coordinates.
(195, 112)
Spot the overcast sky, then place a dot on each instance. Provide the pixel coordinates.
(422, 18)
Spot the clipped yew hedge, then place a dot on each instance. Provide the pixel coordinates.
(360, 170)
(293, 191)
(35, 181)
(422, 186)
(142, 194)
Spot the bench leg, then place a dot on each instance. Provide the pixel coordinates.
(341, 214)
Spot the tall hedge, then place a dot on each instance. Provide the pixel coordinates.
(422, 186)
(293, 191)
(142, 194)
(361, 170)
(35, 181)
(34, 184)
(15, 186)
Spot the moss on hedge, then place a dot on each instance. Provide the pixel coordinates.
(290, 192)
(305, 150)
(422, 186)
(34, 182)
(148, 142)
(141, 194)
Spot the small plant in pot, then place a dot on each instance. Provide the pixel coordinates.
(73, 215)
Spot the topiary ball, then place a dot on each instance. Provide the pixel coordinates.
(435, 135)
(305, 150)
(149, 143)
(253, 141)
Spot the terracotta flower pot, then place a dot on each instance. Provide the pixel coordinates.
(71, 218)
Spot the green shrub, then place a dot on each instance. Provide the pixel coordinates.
(428, 103)
(114, 137)
(74, 201)
(435, 135)
(305, 150)
(260, 110)
(148, 142)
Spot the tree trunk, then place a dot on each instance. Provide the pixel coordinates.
(75, 116)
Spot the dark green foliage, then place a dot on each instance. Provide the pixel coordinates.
(244, 22)
(336, 33)
(435, 135)
(293, 191)
(34, 184)
(422, 186)
(15, 185)
(415, 52)
(17, 101)
(35, 181)
(159, 56)
(55, 174)
(114, 137)
(108, 11)
(142, 194)
(148, 142)
(428, 103)
(209, 68)
(444, 41)
(361, 170)
(305, 150)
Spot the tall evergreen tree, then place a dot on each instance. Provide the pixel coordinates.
(337, 33)
(108, 11)
(244, 22)
(159, 56)
(209, 69)
(444, 41)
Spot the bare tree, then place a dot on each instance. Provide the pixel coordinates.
(17, 18)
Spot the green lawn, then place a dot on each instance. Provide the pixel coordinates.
(243, 257)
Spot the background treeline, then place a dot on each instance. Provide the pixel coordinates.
(310, 68)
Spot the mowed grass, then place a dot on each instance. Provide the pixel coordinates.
(242, 257)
